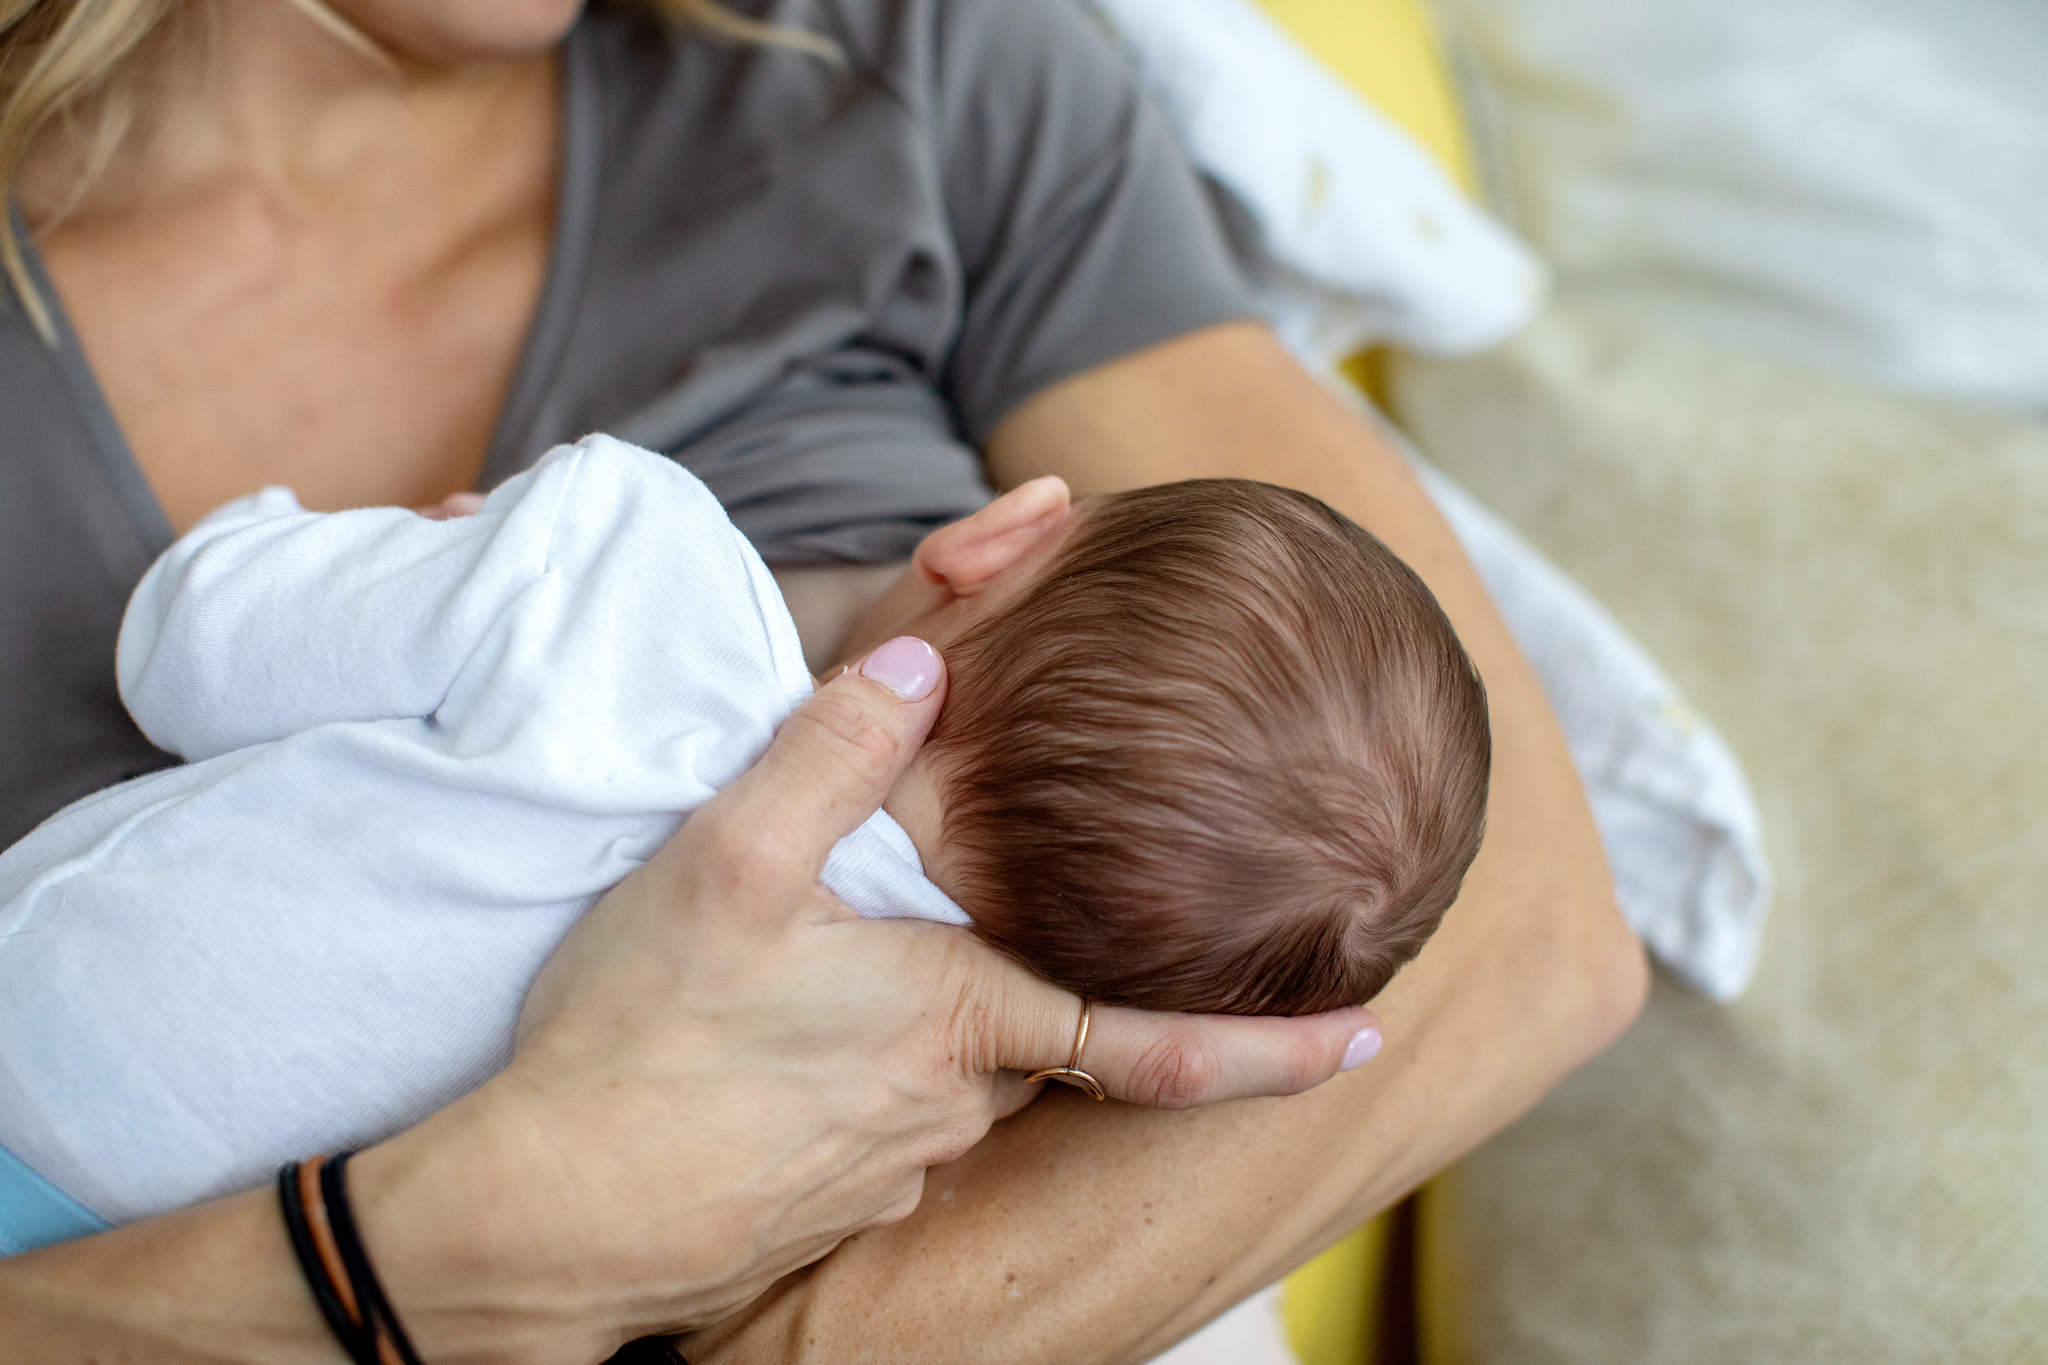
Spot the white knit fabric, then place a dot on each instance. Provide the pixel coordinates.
(420, 750)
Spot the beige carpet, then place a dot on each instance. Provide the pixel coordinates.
(1851, 1163)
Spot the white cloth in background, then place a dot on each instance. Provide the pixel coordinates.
(1357, 234)
(1252, 1333)
(1675, 812)
(1855, 185)
(200, 975)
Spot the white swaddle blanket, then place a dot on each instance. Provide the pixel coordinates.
(515, 709)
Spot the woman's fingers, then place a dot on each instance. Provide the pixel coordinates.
(1176, 1061)
(1180, 1061)
(828, 769)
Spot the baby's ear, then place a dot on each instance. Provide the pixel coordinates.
(974, 551)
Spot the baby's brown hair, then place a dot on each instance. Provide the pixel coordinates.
(1225, 754)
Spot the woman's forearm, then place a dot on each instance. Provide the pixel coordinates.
(1078, 1234)
(213, 1284)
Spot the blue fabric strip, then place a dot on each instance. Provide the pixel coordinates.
(34, 1213)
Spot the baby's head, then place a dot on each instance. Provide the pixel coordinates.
(1218, 750)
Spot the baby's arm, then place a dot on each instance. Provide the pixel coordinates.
(267, 619)
(593, 604)
(586, 585)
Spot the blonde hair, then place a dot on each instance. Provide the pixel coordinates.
(77, 63)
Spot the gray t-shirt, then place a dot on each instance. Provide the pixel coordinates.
(818, 287)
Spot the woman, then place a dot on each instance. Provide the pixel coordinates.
(396, 248)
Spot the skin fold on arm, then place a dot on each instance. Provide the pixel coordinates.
(1076, 1233)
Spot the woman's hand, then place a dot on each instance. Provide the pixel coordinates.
(723, 1072)
(720, 1075)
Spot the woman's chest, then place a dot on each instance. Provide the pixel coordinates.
(359, 353)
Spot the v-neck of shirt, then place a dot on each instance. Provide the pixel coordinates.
(582, 142)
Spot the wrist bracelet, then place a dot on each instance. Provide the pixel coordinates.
(322, 1227)
(649, 1351)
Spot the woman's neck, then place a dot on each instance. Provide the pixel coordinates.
(307, 267)
(257, 94)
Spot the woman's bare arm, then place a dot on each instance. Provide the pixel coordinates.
(1076, 1233)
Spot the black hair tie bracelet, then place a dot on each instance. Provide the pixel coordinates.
(314, 1194)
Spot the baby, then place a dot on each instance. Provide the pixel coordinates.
(1206, 746)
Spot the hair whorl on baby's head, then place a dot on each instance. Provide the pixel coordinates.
(1225, 755)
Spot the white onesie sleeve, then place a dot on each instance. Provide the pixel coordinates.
(267, 620)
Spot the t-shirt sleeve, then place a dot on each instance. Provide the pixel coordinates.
(1083, 233)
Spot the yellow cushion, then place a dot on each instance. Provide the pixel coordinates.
(1386, 50)
(1328, 1305)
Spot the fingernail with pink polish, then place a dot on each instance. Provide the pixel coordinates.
(1365, 1045)
(906, 666)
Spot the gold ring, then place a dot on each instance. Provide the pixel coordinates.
(1072, 1073)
